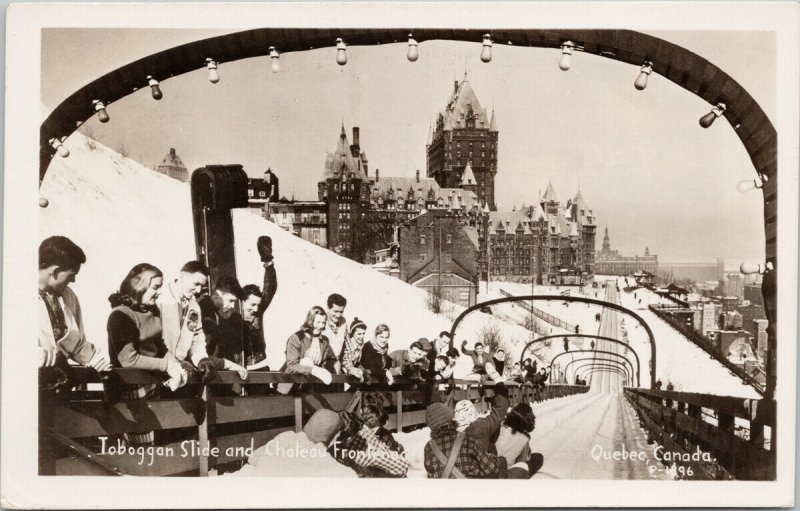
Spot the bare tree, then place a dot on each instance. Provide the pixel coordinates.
(435, 299)
(491, 337)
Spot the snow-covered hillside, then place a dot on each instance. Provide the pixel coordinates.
(122, 213)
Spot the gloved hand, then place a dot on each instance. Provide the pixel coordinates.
(389, 377)
(322, 374)
(264, 246)
(177, 376)
(463, 344)
(99, 362)
(47, 357)
(207, 369)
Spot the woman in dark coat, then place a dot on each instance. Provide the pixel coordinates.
(375, 358)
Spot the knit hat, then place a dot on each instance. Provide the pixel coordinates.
(438, 415)
(322, 426)
(357, 323)
(426, 344)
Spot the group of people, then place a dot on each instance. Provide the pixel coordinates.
(463, 443)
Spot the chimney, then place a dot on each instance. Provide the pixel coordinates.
(172, 151)
(417, 175)
(355, 147)
(377, 175)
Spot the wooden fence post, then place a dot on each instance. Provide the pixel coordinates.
(202, 435)
(398, 396)
(298, 414)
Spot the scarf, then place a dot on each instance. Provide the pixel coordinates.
(466, 414)
(380, 349)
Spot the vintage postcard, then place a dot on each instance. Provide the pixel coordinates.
(296, 255)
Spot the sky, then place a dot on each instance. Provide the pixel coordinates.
(640, 159)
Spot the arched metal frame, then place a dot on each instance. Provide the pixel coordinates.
(604, 352)
(608, 364)
(595, 370)
(677, 64)
(560, 298)
(588, 336)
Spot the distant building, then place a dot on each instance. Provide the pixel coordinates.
(751, 313)
(697, 272)
(758, 329)
(752, 293)
(440, 248)
(611, 262)
(173, 166)
(708, 319)
(305, 219)
(730, 321)
(733, 285)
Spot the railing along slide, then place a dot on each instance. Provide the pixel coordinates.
(706, 432)
(214, 426)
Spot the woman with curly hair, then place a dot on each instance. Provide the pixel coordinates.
(515, 434)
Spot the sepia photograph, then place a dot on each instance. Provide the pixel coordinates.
(289, 245)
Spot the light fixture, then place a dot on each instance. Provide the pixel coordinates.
(749, 268)
(644, 74)
(154, 88)
(749, 184)
(341, 52)
(213, 74)
(566, 56)
(274, 56)
(486, 52)
(100, 108)
(413, 52)
(708, 119)
(60, 148)
(43, 202)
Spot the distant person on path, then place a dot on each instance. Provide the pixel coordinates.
(375, 357)
(61, 333)
(336, 325)
(659, 384)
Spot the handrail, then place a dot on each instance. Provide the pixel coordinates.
(745, 408)
(539, 313)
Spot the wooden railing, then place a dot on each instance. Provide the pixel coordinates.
(539, 313)
(685, 422)
(72, 424)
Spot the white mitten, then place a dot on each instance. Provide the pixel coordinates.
(305, 361)
(321, 374)
(177, 376)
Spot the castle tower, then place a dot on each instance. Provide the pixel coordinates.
(173, 166)
(463, 134)
(606, 242)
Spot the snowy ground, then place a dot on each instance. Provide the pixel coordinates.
(122, 213)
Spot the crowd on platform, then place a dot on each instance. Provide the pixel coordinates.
(178, 328)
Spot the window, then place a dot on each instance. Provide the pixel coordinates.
(422, 239)
(463, 296)
(423, 256)
(449, 239)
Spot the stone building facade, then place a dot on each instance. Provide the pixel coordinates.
(611, 262)
(173, 166)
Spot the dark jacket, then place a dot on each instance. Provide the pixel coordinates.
(134, 338)
(402, 365)
(483, 429)
(472, 461)
(478, 361)
(296, 347)
(374, 362)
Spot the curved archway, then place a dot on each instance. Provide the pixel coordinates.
(605, 352)
(591, 362)
(588, 336)
(530, 298)
(679, 65)
(594, 370)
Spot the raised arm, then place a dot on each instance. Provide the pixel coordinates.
(270, 276)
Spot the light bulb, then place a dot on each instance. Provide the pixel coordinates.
(641, 80)
(100, 108)
(341, 52)
(413, 52)
(274, 56)
(749, 184)
(60, 148)
(749, 268)
(43, 202)
(566, 56)
(154, 88)
(213, 74)
(486, 52)
(708, 119)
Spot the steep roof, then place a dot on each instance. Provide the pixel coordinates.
(341, 161)
(493, 124)
(461, 102)
(509, 220)
(584, 215)
(447, 280)
(550, 194)
(468, 177)
(172, 160)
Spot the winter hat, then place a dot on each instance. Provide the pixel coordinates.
(426, 344)
(322, 426)
(357, 323)
(438, 415)
(466, 414)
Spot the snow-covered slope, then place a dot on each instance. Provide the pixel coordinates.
(122, 213)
